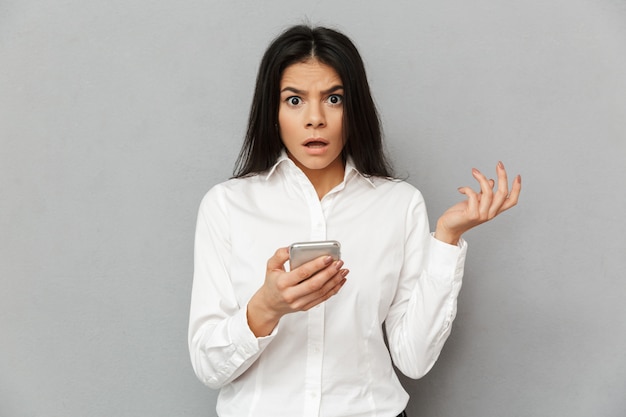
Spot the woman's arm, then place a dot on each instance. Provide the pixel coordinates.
(420, 318)
(220, 344)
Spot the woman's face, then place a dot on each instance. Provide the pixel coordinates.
(310, 117)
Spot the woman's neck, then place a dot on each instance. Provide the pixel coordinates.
(324, 180)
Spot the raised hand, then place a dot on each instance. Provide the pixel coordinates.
(479, 207)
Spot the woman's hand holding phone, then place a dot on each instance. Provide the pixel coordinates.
(298, 290)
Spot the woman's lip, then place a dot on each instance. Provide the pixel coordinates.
(315, 141)
(316, 146)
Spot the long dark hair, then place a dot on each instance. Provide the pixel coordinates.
(361, 125)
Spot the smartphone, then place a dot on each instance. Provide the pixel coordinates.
(303, 252)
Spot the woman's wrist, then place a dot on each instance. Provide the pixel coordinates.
(261, 319)
(446, 236)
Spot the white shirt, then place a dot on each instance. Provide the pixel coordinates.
(331, 360)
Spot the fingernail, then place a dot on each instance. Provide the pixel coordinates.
(500, 165)
(328, 259)
(344, 273)
(475, 171)
(338, 265)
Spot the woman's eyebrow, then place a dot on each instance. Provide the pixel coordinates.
(293, 90)
(302, 92)
(333, 89)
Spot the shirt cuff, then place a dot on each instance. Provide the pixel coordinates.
(446, 260)
(241, 336)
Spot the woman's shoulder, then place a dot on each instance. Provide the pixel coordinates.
(221, 192)
(395, 194)
(237, 183)
(396, 186)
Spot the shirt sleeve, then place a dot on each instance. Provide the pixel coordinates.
(221, 344)
(425, 304)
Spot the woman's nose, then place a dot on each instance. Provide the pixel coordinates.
(315, 116)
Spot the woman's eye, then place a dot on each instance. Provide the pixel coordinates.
(294, 101)
(335, 99)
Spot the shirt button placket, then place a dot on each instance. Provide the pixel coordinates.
(315, 324)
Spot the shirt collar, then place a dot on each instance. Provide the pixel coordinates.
(349, 171)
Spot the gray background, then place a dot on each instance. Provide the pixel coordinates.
(117, 116)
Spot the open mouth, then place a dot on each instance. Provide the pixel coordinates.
(314, 143)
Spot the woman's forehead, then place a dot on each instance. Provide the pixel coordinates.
(307, 72)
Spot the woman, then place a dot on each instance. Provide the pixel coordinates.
(309, 342)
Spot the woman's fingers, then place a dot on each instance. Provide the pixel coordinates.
(277, 261)
(513, 196)
(486, 194)
(314, 282)
(493, 198)
(308, 269)
(478, 207)
(495, 202)
(329, 289)
(502, 191)
(473, 201)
